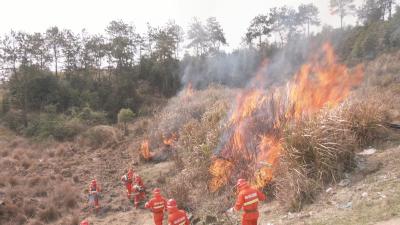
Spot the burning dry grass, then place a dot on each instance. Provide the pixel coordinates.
(292, 141)
(198, 137)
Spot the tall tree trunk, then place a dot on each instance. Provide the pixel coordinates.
(25, 105)
(341, 22)
(55, 59)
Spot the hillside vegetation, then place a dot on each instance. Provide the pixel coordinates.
(292, 114)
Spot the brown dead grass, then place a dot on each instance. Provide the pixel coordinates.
(49, 214)
(100, 136)
(319, 150)
(197, 124)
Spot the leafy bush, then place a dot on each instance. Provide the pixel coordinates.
(57, 126)
(91, 117)
(125, 116)
(14, 120)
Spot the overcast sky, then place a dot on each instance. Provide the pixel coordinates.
(94, 15)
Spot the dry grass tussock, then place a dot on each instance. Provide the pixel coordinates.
(320, 149)
(100, 136)
(183, 108)
(383, 72)
(198, 125)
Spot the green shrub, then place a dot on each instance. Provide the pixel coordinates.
(5, 105)
(57, 126)
(125, 116)
(92, 117)
(67, 130)
(14, 120)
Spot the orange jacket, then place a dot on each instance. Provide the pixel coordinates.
(178, 217)
(94, 188)
(248, 199)
(138, 181)
(157, 204)
(127, 178)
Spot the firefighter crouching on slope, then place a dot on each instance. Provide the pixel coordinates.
(94, 191)
(128, 181)
(138, 190)
(247, 200)
(157, 205)
(176, 216)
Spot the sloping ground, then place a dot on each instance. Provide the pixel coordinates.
(46, 183)
(371, 195)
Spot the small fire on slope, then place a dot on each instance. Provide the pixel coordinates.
(188, 92)
(145, 150)
(252, 144)
(169, 141)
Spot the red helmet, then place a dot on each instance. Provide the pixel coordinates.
(156, 191)
(84, 222)
(130, 174)
(241, 183)
(171, 204)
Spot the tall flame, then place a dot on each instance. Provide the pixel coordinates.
(322, 84)
(145, 150)
(252, 144)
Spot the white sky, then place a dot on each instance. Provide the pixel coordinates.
(94, 15)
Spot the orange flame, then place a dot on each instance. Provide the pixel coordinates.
(221, 171)
(255, 128)
(248, 102)
(145, 150)
(322, 84)
(188, 91)
(169, 141)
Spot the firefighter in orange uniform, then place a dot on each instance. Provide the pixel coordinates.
(157, 205)
(128, 181)
(176, 216)
(94, 191)
(138, 190)
(247, 200)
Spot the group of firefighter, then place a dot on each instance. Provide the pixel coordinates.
(247, 200)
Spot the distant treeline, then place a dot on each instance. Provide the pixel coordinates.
(60, 72)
